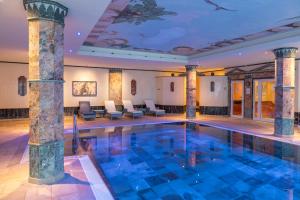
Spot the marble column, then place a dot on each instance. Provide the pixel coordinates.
(46, 105)
(191, 80)
(115, 86)
(284, 91)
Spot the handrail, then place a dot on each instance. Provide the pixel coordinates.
(75, 134)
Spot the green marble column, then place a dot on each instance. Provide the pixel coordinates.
(46, 105)
(191, 80)
(284, 91)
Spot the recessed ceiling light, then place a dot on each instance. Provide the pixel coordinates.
(78, 33)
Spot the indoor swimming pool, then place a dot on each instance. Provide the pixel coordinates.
(188, 161)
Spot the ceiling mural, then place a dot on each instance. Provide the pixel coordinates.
(181, 28)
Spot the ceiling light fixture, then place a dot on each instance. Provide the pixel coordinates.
(78, 33)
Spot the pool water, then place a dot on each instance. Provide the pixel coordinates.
(174, 162)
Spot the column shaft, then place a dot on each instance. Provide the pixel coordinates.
(284, 91)
(191, 75)
(46, 105)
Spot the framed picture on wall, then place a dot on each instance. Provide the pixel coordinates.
(84, 88)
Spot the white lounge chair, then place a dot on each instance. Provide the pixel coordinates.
(152, 109)
(129, 110)
(111, 110)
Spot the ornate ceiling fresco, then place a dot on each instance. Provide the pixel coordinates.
(189, 27)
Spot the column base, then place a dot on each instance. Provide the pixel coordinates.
(47, 181)
(284, 127)
(191, 126)
(190, 113)
(46, 162)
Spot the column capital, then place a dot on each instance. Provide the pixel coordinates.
(191, 67)
(45, 9)
(286, 52)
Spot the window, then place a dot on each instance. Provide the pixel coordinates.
(22, 86)
(212, 86)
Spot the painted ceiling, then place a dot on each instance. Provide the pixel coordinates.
(188, 27)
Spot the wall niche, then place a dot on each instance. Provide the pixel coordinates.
(133, 87)
(212, 86)
(22, 86)
(172, 86)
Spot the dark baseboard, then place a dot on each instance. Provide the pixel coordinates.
(211, 110)
(18, 113)
(14, 113)
(297, 118)
(172, 109)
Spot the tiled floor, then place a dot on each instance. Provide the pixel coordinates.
(14, 137)
(74, 185)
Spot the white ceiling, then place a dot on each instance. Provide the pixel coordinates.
(82, 17)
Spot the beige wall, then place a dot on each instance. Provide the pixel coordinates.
(165, 96)
(85, 74)
(145, 83)
(217, 98)
(9, 97)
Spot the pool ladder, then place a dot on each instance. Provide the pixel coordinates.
(75, 139)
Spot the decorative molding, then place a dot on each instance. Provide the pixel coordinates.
(287, 52)
(131, 54)
(115, 70)
(45, 9)
(97, 67)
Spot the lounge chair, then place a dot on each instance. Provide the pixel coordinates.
(111, 110)
(129, 110)
(152, 109)
(85, 110)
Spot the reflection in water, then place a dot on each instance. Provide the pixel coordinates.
(141, 158)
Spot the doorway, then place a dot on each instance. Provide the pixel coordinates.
(264, 99)
(237, 99)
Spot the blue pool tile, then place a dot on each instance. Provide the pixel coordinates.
(155, 180)
(120, 184)
(139, 184)
(284, 183)
(241, 186)
(163, 190)
(135, 160)
(270, 192)
(169, 176)
(148, 194)
(172, 197)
